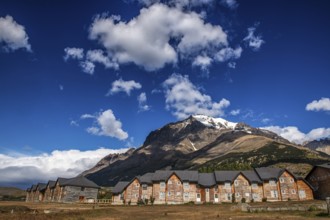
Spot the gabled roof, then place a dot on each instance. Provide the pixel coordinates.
(33, 188)
(60, 180)
(120, 186)
(325, 165)
(28, 189)
(162, 175)
(146, 178)
(226, 176)
(206, 179)
(187, 175)
(267, 173)
(41, 186)
(51, 183)
(251, 176)
(80, 181)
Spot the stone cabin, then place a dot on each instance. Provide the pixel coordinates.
(319, 178)
(178, 187)
(67, 190)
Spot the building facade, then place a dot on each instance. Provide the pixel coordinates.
(319, 178)
(179, 187)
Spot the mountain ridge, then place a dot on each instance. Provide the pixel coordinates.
(204, 143)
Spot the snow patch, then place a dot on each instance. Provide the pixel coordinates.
(218, 123)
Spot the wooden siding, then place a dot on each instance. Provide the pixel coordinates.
(174, 191)
(225, 192)
(78, 194)
(132, 192)
(308, 192)
(271, 192)
(319, 178)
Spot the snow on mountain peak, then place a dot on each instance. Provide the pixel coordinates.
(218, 123)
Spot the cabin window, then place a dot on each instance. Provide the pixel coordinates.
(207, 190)
(162, 195)
(227, 185)
(254, 186)
(136, 195)
(228, 196)
(178, 193)
(137, 185)
(178, 183)
(162, 184)
(272, 182)
(236, 182)
(169, 182)
(121, 196)
(237, 194)
(283, 191)
(82, 189)
(186, 195)
(216, 189)
(281, 180)
(293, 191)
(247, 194)
(255, 196)
(274, 193)
(186, 185)
(168, 193)
(144, 187)
(291, 180)
(302, 194)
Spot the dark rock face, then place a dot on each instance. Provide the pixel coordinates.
(186, 144)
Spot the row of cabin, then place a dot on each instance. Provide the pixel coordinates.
(178, 187)
(70, 190)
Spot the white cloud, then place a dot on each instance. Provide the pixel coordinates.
(61, 87)
(87, 67)
(41, 168)
(319, 105)
(73, 53)
(228, 53)
(147, 44)
(202, 61)
(253, 41)
(232, 65)
(106, 125)
(235, 112)
(232, 4)
(98, 56)
(13, 35)
(123, 86)
(294, 135)
(178, 3)
(184, 99)
(142, 99)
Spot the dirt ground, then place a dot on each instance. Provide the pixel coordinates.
(36, 211)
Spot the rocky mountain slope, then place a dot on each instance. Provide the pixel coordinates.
(204, 143)
(322, 145)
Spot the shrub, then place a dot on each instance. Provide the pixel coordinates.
(312, 208)
(233, 199)
(264, 199)
(140, 202)
(146, 201)
(129, 202)
(152, 200)
(243, 200)
(252, 200)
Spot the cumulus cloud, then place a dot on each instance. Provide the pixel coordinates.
(294, 135)
(179, 3)
(319, 105)
(106, 125)
(87, 67)
(253, 41)
(142, 99)
(148, 44)
(98, 56)
(184, 99)
(41, 168)
(13, 35)
(202, 61)
(228, 53)
(123, 86)
(73, 53)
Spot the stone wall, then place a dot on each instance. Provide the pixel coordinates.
(78, 194)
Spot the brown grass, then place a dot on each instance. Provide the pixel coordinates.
(36, 211)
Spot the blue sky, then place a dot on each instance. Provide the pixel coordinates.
(97, 77)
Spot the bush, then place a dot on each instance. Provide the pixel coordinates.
(243, 200)
(152, 200)
(312, 208)
(233, 199)
(129, 202)
(252, 200)
(146, 201)
(140, 202)
(264, 199)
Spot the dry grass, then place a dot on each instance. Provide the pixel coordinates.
(35, 211)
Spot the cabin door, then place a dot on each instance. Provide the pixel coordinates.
(198, 197)
(216, 198)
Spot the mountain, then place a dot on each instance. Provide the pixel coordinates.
(204, 143)
(322, 145)
(11, 193)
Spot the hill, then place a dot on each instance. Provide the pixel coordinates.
(207, 144)
(11, 193)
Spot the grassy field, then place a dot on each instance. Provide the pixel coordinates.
(35, 211)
